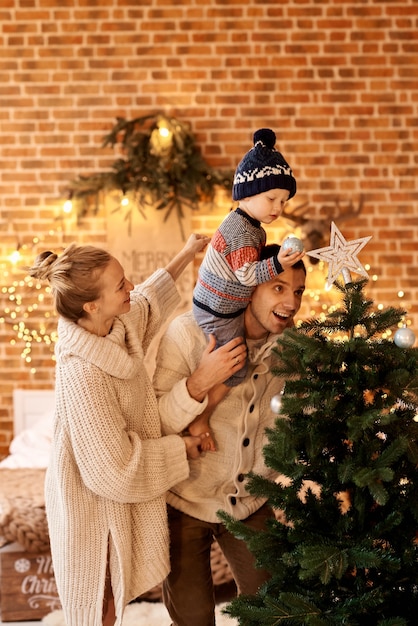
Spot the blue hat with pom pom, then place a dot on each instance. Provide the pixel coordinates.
(262, 168)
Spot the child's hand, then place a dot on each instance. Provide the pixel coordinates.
(287, 258)
(193, 445)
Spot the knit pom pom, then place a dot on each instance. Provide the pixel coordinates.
(266, 136)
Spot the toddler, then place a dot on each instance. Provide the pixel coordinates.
(232, 266)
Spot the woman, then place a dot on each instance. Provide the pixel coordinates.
(110, 468)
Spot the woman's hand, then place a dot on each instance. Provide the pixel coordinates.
(195, 243)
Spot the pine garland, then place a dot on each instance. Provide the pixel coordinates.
(160, 166)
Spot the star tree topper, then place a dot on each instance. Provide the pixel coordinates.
(341, 256)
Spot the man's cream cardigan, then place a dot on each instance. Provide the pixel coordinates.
(217, 480)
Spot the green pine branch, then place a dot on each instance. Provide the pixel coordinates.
(163, 176)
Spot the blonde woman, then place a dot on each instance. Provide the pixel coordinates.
(110, 468)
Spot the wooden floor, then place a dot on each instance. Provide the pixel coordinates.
(223, 594)
(32, 623)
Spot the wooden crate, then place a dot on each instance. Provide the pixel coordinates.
(27, 585)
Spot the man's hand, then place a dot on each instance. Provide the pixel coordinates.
(216, 366)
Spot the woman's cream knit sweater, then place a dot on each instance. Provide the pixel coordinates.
(110, 468)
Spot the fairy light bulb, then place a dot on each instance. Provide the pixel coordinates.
(15, 257)
(161, 139)
(164, 132)
(67, 206)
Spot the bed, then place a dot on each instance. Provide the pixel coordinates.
(27, 584)
(22, 474)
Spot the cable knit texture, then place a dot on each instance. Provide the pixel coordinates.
(238, 423)
(110, 469)
(231, 267)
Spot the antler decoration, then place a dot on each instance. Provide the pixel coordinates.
(315, 230)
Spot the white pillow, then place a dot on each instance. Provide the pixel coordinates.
(32, 446)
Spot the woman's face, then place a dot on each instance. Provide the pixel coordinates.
(114, 297)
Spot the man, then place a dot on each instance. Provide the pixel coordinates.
(188, 380)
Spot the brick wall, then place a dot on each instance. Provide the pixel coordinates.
(337, 81)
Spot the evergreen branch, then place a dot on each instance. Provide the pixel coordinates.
(289, 609)
(322, 561)
(392, 453)
(238, 528)
(161, 173)
(354, 316)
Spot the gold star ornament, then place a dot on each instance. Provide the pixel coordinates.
(341, 256)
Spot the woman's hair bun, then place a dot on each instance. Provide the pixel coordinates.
(42, 269)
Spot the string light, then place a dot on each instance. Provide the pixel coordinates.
(28, 307)
(67, 206)
(15, 257)
(162, 137)
(164, 132)
(321, 300)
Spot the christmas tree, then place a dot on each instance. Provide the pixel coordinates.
(345, 444)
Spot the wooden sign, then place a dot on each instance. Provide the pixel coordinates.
(28, 590)
(143, 241)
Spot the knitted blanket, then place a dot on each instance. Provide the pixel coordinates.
(22, 509)
(23, 519)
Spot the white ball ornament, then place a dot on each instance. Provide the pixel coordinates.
(276, 403)
(292, 243)
(404, 337)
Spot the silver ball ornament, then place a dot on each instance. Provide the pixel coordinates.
(404, 337)
(276, 403)
(292, 243)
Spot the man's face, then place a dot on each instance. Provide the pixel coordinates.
(274, 304)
